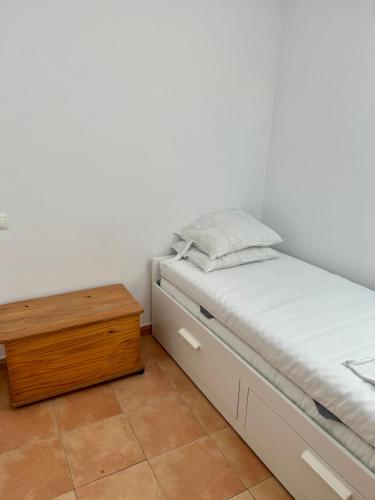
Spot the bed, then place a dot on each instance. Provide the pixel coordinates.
(266, 342)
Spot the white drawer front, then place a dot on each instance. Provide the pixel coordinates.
(196, 349)
(304, 472)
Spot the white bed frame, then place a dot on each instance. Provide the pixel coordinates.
(308, 461)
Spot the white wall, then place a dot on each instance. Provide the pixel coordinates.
(121, 120)
(321, 177)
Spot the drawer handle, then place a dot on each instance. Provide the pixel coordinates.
(189, 338)
(316, 465)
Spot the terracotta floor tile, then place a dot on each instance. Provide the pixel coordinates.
(4, 391)
(243, 460)
(169, 417)
(164, 424)
(152, 351)
(20, 426)
(270, 489)
(85, 406)
(147, 340)
(169, 366)
(178, 377)
(133, 392)
(135, 483)
(146, 357)
(245, 495)
(211, 419)
(101, 448)
(196, 471)
(37, 471)
(68, 496)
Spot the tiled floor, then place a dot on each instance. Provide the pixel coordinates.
(147, 437)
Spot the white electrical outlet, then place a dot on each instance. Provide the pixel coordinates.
(4, 221)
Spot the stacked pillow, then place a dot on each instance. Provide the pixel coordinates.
(225, 239)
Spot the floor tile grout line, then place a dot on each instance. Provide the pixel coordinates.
(144, 459)
(60, 434)
(169, 375)
(253, 485)
(262, 481)
(148, 460)
(109, 475)
(152, 400)
(227, 461)
(124, 411)
(244, 491)
(179, 446)
(32, 442)
(136, 437)
(63, 494)
(180, 392)
(63, 444)
(198, 418)
(176, 447)
(240, 493)
(86, 424)
(118, 470)
(192, 412)
(156, 478)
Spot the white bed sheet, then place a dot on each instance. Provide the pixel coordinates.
(304, 321)
(345, 436)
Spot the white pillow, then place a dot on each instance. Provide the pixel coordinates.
(201, 259)
(228, 231)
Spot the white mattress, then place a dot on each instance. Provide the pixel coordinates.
(304, 322)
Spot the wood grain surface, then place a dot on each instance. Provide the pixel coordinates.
(64, 342)
(58, 312)
(47, 365)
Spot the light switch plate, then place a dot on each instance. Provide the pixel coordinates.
(4, 221)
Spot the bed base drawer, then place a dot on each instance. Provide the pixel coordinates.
(309, 462)
(300, 468)
(195, 349)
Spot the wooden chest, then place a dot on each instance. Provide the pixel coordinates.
(65, 342)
